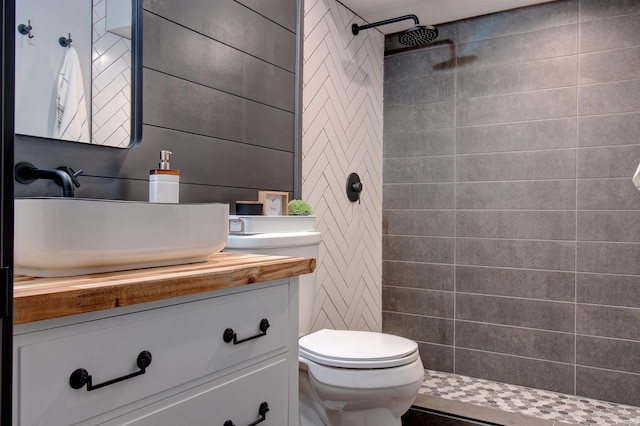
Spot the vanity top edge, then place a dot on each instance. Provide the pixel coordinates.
(38, 299)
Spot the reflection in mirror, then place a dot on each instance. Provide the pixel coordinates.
(78, 70)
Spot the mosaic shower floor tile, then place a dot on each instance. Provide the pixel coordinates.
(529, 402)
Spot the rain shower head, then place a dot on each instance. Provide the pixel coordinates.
(419, 34)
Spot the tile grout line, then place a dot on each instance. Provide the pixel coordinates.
(455, 199)
(575, 275)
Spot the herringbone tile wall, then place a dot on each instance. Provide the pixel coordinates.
(342, 133)
(111, 83)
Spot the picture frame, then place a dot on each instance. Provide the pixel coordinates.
(274, 203)
(249, 208)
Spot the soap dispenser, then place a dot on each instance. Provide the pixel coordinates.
(164, 182)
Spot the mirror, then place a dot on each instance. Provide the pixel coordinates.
(79, 70)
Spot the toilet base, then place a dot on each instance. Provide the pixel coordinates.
(314, 413)
(373, 417)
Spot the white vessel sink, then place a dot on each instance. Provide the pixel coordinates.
(57, 237)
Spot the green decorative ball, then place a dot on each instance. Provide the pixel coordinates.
(299, 208)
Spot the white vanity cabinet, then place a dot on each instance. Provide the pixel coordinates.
(224, 358)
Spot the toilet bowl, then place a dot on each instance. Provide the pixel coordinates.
(357, 378)
(346, 378)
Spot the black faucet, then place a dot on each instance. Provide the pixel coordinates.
(64, 176)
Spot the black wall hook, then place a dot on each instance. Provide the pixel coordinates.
(64, 41)
(26, 29)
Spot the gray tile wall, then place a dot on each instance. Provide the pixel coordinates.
(511, 228)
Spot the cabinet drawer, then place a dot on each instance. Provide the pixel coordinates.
(237, 399)
(185, 342)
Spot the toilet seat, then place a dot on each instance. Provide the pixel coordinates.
(357, 349)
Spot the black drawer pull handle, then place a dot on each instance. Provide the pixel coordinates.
(262, 412)
(81, 377)
(229, 335)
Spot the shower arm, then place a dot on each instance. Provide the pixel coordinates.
(355, 28)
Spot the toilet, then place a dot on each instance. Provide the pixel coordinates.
(347, 378)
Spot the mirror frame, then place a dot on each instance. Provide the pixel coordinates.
(136, 73)
(135, 136)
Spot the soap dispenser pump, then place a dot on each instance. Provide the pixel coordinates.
(164, 182)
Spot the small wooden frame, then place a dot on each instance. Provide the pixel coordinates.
(275, 203)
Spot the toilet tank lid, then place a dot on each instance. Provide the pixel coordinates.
(273, 240)
(356, 346)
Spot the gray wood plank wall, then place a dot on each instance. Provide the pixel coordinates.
(219, 91)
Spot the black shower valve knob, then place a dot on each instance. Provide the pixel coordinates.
(354, 188)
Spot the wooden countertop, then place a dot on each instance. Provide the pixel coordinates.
(38, 299)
